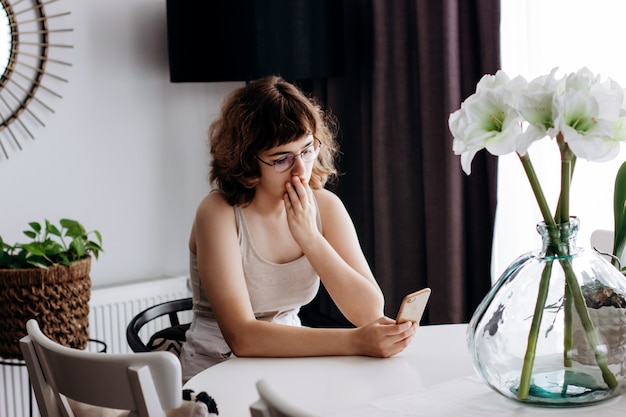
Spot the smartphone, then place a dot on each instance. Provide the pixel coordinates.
(413, 306)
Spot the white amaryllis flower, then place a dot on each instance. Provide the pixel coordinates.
(498, 80)
(505, 115)
(487, 119)
(589, 115)
(536, 105)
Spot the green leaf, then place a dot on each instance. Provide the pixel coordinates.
(64, 259)
(74, 229)
(78, 248)
(98, 236)
(69, 223)
(35, 226)
(51, 247)
(30, 234)
(35, 262)
(619, 207)
(53, 230)
(94, 248)
(34, 248)
(5, 259)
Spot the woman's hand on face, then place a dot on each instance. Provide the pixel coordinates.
(384, 338)
(301, 209)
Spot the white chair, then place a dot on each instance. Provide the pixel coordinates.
(147, 384)
(602, 240)
(271, 404)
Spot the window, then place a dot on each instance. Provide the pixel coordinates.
(538, 35)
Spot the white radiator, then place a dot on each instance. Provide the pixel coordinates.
(14, 398)
(111, 309)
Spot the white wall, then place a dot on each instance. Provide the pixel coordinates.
(125, 151)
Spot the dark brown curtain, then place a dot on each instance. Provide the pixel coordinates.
(421, 220)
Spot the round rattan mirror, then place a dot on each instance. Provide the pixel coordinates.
(25, 45)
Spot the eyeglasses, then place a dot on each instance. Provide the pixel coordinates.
(285, 162)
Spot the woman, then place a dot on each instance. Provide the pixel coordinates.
(267, 234)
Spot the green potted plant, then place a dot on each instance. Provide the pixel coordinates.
(47, 278)
(619, 208)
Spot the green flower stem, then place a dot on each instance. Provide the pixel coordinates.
(562, 216)
(568, 338)
(533, 335)
(536, 187)
(568, 163)
(583, 313)
(558, 249)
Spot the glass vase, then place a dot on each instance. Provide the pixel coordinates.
(552, 330)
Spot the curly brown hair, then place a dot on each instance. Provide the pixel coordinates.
(265, 113)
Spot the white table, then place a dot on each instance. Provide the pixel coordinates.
(324, 385)
(433, 377)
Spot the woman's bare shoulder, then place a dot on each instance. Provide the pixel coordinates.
(214, 212)
(327, 200)
(214, 219)
(214, 204)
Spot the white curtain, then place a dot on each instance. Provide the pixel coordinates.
(538, 35)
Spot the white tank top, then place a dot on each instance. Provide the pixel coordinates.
(277, 291)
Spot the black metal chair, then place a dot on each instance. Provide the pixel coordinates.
(169, 338)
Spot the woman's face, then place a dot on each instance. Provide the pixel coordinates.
(295, 158)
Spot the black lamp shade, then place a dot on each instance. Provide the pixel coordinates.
(241, 40)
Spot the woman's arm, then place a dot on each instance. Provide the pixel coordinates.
(336, 255)
(214, 240)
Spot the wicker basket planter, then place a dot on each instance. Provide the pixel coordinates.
(58, 297)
